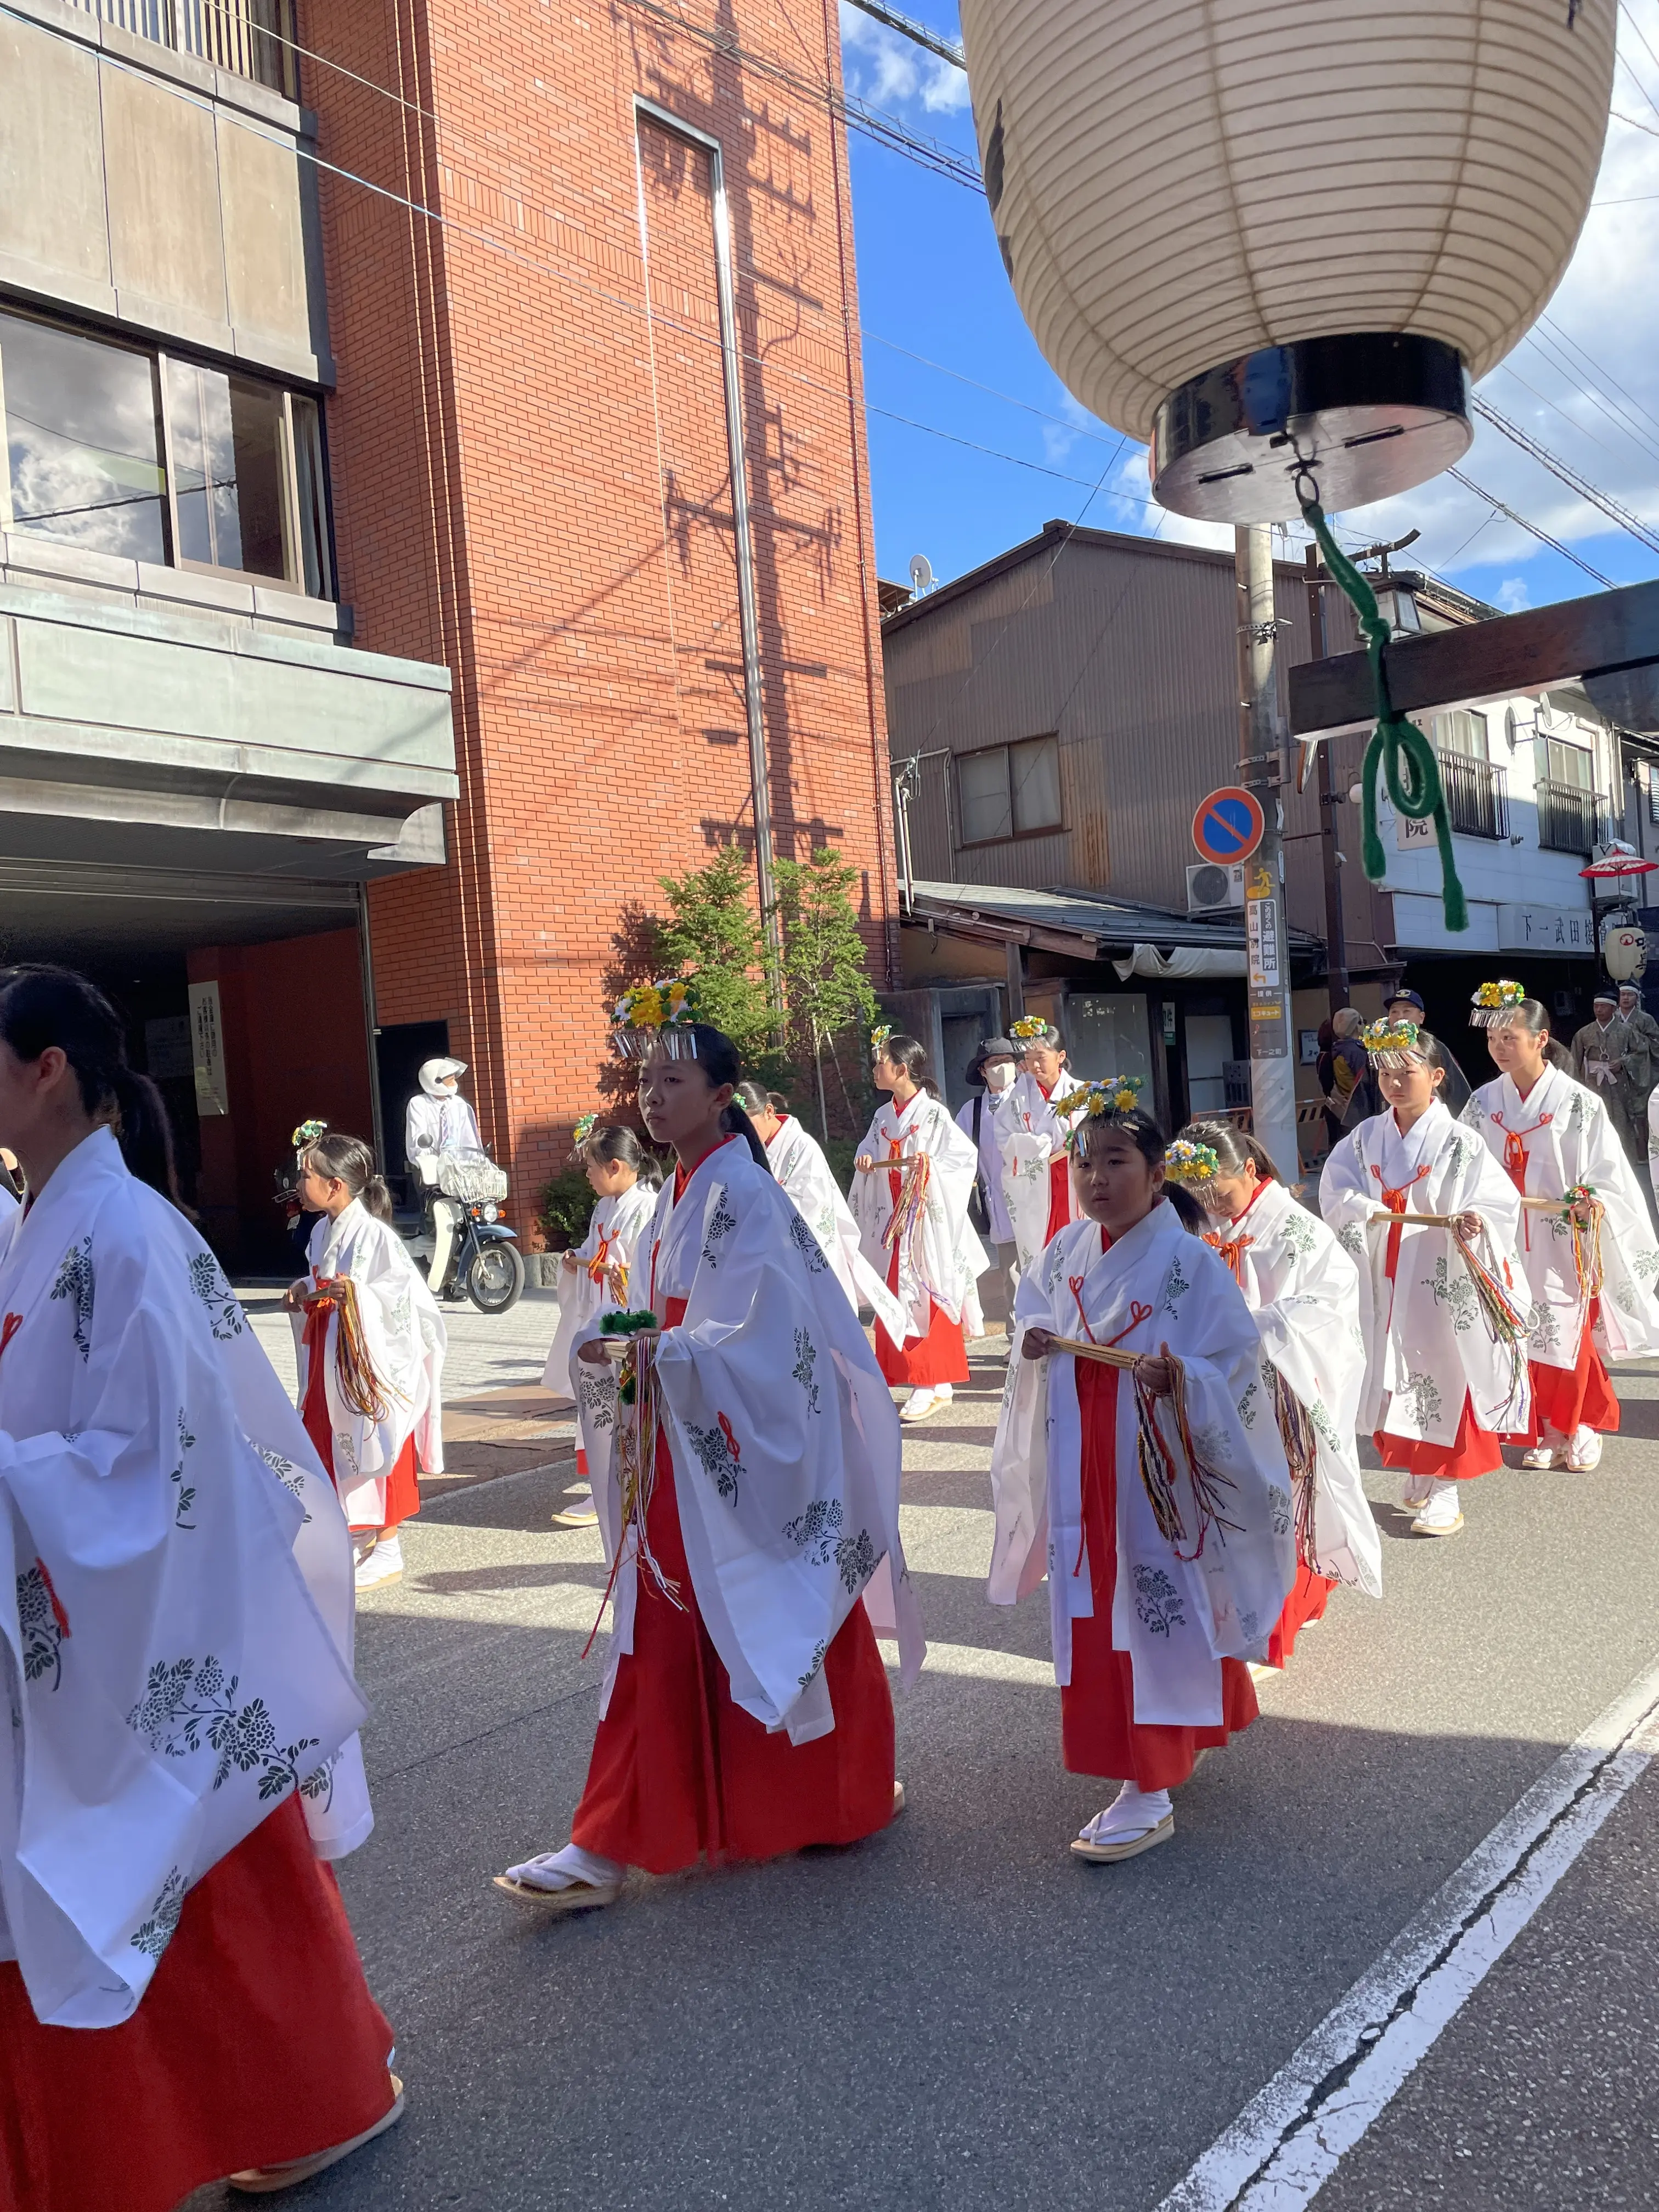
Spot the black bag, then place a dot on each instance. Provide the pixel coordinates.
(979, 1209)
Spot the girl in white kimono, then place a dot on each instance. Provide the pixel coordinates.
(371, 1350)
(593, 1279)
(1443, 1305)
(746, 1469)
(1590, 1262)
(1034, 1118)
(175, 1651)
(914, 1178)
(1303, 1290)
(802, 1172)
(1146, 1481)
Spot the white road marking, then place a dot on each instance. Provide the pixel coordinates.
(1286, 2143)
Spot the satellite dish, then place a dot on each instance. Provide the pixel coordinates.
(921, 573)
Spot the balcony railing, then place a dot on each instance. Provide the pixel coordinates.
(248, 38)
(1477, 796)
(1570, 818)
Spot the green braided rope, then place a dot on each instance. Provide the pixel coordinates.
(1398, 746)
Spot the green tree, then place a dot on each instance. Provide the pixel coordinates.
(826, 975)
(713, 930)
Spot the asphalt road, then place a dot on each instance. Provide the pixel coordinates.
(956, 2015)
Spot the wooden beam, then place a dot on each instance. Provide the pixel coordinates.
(1485, 659)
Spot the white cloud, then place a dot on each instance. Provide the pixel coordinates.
(891, 71)
(1512, 595)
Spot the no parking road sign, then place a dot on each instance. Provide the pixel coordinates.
(1228, 825)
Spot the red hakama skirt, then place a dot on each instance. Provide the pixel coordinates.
(1474, 1451)
(680, 1773)
(1567, 1398)
(1059, 1196)
(1309, 1595)
(1099, 1733)
(257, 2042)
(403, 1487)
(941, 1356)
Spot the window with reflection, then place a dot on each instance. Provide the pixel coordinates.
(83, 440)
(161, 459)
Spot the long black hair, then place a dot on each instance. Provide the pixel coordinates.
(617, 1143)
(1232, 1147)
(908, 1053)
(1148, 1139)
(42, 1006)
(348, 1160)
(717, 1056)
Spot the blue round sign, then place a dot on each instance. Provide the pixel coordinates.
(1228, 825)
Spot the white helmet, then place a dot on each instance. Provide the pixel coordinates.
(435, 1074)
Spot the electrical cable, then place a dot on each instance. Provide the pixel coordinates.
(1569, 476)
(1542, 536)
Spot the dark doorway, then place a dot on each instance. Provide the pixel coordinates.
(400, 1054)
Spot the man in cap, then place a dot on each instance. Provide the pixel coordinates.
(439, 1120)
(992, 1069)
(1408, 1006)
(1601, 1052)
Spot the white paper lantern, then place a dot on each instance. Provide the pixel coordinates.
(1232, 224)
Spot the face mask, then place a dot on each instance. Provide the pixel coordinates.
(997, 1079)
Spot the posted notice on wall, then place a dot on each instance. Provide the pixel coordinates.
(1261, 941)
(207, 1049)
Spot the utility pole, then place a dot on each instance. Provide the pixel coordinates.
(1336, 934)
(1262, 739)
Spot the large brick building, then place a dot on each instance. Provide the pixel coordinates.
(509, 277)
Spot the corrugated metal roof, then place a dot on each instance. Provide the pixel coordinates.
(1116, 924)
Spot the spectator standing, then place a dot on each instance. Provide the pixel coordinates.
(990, 1071)
(1600, 1053)
(1641, 1060)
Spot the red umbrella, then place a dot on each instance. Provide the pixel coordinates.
(1619, 860)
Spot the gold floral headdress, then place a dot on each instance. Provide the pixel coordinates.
(878, 1037)
(1391, 1044)
(1188, 1161)
(1113, 1094)
(656, 1018)
(1027, 1028)
(307, 1133)
(1494, 1002)
(585, 1125)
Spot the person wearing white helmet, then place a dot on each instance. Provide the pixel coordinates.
(439, 1120)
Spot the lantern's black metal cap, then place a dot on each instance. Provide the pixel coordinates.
(1368, 414)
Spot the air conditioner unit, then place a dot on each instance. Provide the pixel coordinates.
(1213, 889)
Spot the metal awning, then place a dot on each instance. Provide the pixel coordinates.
(1080, 923)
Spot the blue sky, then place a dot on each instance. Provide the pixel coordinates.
(1585, 382)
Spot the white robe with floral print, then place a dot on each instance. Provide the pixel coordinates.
(1568, 1139)
(1176, 1617)
(176, 1628)
(405, 1335)
(942, 1258)
(1303, 1290)
(1030, 1136)
(784, 1439)
(614, 1230)
(798, 1164)
(1426, 1340)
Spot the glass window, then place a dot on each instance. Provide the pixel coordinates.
(229, 479)
(1464, 731)
(312, 499)
(1108, 1035)
(82, 441)
(1573, 765)
(1034, 772)
(982, 788)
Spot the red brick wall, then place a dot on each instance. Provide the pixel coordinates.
(296, 1046)
(531, 482)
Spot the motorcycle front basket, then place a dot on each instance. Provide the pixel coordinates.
(471, 1177)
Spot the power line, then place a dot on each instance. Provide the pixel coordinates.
(919, 33)
(1569, 476)
(1542, 536)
